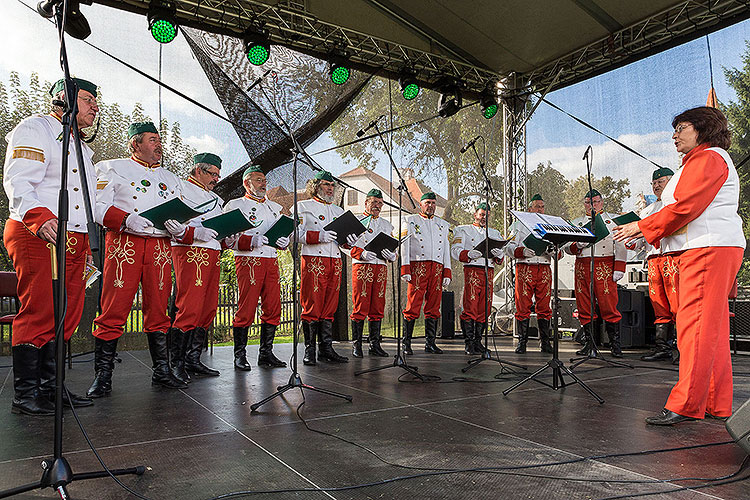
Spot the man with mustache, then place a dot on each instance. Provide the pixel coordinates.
(195, 254)
(32, 182)
(135, 253)
(257, 268)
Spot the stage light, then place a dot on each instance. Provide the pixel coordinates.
(409, 86)
(257, 46)
(339, 73)
(488, 104)
(161, 21)
(450, 97)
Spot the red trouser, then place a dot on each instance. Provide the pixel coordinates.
(32, 259)
(130, 260)
(705, 383)
(604, 288)
(663, 287)
(426, 286)
(368, 291)
(257, 278)
(533, 281)
(197, 272)
(474, 294)
(321, 280)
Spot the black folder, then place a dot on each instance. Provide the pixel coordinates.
(380, 242)
(493, 244)
(344, 225)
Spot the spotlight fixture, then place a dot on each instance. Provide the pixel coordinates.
(450, 97)
(339, 73)
(488, 103)
(409, 86)
(257, 46)
(161, 20)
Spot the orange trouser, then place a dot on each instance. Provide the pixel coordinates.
(197, 272)
(663, 287)
(368, 291)
(604, 288)
(705, 383)
(257, 278)
(32, 260)
(474, 296)
(319, 294)
(533, 281)
(130, 260)
(426, 286)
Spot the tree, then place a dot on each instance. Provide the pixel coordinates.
(550, 183)
(613, 192)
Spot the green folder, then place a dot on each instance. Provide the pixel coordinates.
(282, 228)
(172, 209)
(539, 246)
(600, 228)
(626, 218)
(228, 223)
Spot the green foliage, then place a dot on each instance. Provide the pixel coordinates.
(550, 183)
(614, 192)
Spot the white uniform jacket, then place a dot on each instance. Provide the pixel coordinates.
(194, 194)
(641, 246)
(31, 176)
(126, 186)
(468, 236)
(515, 247)
(261, 211)
(426, 239)
(605, 248)
(375, 226)
(314, 215)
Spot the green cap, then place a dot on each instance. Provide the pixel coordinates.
(251, 169)
(141, 127)
(82, 85)
(428, 196)
(324, 175)
(209, 158)
(537, 197)
(661, 172)
(375, 192)
(592, 194)
(482, 206)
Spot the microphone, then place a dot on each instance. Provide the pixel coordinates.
(361, 132)
(258, 80)
(76, 24)
(470, 144)
(586, 154)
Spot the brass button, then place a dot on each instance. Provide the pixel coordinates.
(135, 197)
(75, 189)
(135, 209)
(77, 207)
(75, 170)
(132, 183)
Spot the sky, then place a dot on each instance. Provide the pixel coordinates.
(634, 104)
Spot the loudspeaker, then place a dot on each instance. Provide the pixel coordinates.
(738, 426)
(447, 316)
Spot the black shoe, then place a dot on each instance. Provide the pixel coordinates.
(479, 329)
(467, 328)
(48, 376)
(666, 417)
(430, 334)
(157, 346)
(588, 343)
(544, 335)
(613, 332)
(104, 364)
(375, 339)
(357, 327)
(26, 398)
(522, 327)
(661, 338)
(193, 362)
(310, 331)
(408, 332)
(714, 417)
(240, 342)
(178, 346)
(325, 344)
(265, 351)
(657, 354)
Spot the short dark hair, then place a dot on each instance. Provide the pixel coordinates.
(710, 123)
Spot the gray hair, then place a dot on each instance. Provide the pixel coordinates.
(206, 167)
(60, 96)
(311, 188)
(136, 139)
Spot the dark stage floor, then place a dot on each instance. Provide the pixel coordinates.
(204, 441)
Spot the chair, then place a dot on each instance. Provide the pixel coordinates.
(8, 289)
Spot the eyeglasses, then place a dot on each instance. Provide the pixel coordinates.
(89, 100)
(682, 126)
(215, 175)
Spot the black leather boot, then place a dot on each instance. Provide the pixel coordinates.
(265, 350)
(193, 362)
(408, 332)
(157, 346)
(661, 338)
(104, 365)
(544, 335)
(48, 377)
(310, 331)
(588, 342)
(357, 327)
(522, 327)
(26, 398)
(479, 329)
(375, 339)
(613, 332)
(178, 344)
(240, 342)
(325, 344)
(430, 333)
(467, 328)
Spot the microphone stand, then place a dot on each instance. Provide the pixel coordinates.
(487, 353)
(57, 472)
(398, 359)
(295, 381)
(594, 353)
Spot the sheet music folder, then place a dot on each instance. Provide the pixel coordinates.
(380, 242)
(552, 228)
(173, 209)
(344, 225)
(228, 223)
(493, 244)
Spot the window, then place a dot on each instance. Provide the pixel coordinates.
(353, 197)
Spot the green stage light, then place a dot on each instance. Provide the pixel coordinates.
(339, 73)
(409, 86)
(162, 22)
(490, 111)
(257, 47)
(488, 103)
